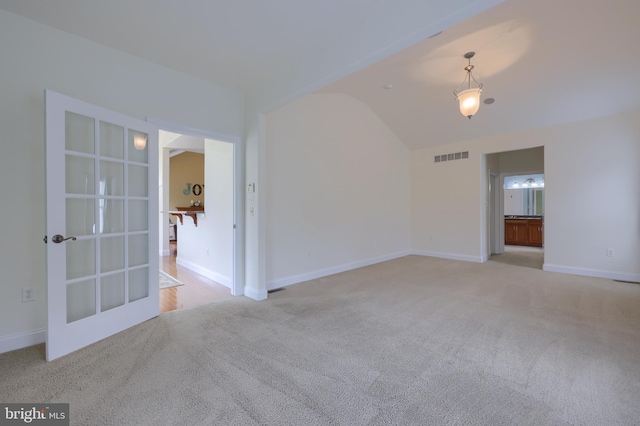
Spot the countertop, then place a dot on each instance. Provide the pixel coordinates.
(523, 217)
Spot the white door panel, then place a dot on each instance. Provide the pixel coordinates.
(105, 278)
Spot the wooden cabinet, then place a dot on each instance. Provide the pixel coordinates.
(523, 231)
(516, 231)
(535, 232)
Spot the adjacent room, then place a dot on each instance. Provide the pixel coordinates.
(196, 255)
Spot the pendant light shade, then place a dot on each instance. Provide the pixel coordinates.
(469, 98)
(469, 101)
(140, 142)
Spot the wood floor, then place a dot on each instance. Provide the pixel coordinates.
(197, 289)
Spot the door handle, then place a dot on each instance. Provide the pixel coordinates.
(59, 238)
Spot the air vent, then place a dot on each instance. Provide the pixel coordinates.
(451, 157)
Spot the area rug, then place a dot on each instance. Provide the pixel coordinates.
(167, 280)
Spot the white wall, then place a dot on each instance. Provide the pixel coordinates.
(522, 160)
(592, 196)
(337, 189)
(34, 58)
(219, 206)
(379, 32)
(446, 204)
(208, 248)
(513, 202)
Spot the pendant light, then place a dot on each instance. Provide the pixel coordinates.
(139, 142)
(469, 98)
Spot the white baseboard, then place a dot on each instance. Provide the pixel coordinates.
(215, 276)
(451, 256)
(255, 294)
(319, 273)
(22, 340)
(599, 273)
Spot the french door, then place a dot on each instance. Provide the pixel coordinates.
(102, 223)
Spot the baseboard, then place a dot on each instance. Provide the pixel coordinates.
(451, 256)
(319, 273)
(165, 252)
(599, 273)
(219, 278)
(255, 294)
(22, 340)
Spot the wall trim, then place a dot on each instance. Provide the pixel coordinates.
(319, 273)
(255, 294)
(451, 256)
(25, 339)
(215, 276)
(598, 273)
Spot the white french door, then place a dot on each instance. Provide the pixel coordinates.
(102, 223)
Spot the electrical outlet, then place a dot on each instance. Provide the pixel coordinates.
(610, 252)
(28, 295)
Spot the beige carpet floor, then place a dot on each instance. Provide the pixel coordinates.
(415, 340)
(528, 257)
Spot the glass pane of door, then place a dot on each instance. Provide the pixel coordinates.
(138, 284)
(81, 300)
(111, 291)
(111, 140)
(98, 187)
(136, 144)
(79, 133)
(80, 175)
(80, 216)
(81, 260)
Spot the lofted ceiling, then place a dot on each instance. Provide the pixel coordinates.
(544, 62)
(236, 43)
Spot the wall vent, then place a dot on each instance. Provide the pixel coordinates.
(451, 157)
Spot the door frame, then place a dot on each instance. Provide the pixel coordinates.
(495, 196)
(237, 279)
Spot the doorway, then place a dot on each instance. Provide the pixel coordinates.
(200, 250)
(515, 200)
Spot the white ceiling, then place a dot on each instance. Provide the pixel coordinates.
(544, 61)
(230, 42)
(177, 143)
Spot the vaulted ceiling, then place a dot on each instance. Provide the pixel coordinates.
(544, 62)
(230, 42)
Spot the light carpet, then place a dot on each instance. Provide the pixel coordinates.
(527, 257)
(167, 281)
(415, 340)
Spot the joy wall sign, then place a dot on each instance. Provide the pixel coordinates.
(195, 189)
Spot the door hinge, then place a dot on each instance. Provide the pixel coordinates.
(45, 239)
